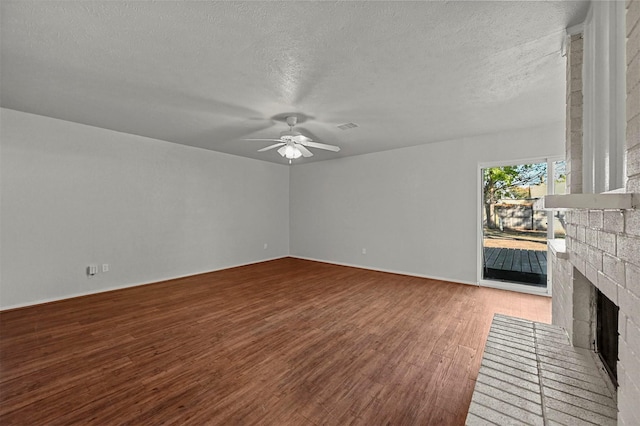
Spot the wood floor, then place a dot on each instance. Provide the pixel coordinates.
(285, 342)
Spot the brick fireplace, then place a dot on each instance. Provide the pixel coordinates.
(595, 323)
(602, 251)
(606, 334)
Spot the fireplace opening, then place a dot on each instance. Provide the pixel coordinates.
(607, 334)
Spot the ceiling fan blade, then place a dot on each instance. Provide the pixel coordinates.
(275, 145)
(268, 140)
(300, 138)
(313, 144)
(307, 134)
(305, 152)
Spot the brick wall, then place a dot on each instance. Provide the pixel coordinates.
(574, 114)
(633, 96)
(604, 246)
(562, 305)
(562, 269)
(627, 243)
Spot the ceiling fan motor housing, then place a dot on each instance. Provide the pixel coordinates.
(289, 133)
(292, 120)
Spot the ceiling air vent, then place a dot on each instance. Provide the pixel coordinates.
(347, 126)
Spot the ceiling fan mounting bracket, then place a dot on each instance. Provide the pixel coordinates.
(284, 117)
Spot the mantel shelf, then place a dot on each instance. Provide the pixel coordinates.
(607, 201)
(558, 248)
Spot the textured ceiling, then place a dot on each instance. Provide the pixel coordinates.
(209, 74)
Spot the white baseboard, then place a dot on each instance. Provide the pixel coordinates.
(391, 271)
(369, 268)
(105, 290)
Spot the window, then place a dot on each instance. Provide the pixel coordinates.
(514, 234)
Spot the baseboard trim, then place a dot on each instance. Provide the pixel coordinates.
(125, 286)
(390, 271)
(122, 287)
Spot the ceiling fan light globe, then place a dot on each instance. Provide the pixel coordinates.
(292, 152)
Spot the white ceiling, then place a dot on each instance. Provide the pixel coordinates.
(209, 74)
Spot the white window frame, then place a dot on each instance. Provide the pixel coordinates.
(521, 288)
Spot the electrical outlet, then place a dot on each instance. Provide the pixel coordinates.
(92, 270)
(105, 267)
(364, 251)
(266, 246)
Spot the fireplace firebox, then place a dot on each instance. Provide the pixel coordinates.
(607, 334)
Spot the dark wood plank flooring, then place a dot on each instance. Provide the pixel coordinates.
(285, 342)
(517, 260)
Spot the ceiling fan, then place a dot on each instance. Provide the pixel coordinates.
(294, 144)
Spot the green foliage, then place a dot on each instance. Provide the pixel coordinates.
(507, 181)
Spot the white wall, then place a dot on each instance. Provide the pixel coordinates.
(72, 195)
(413, 209)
